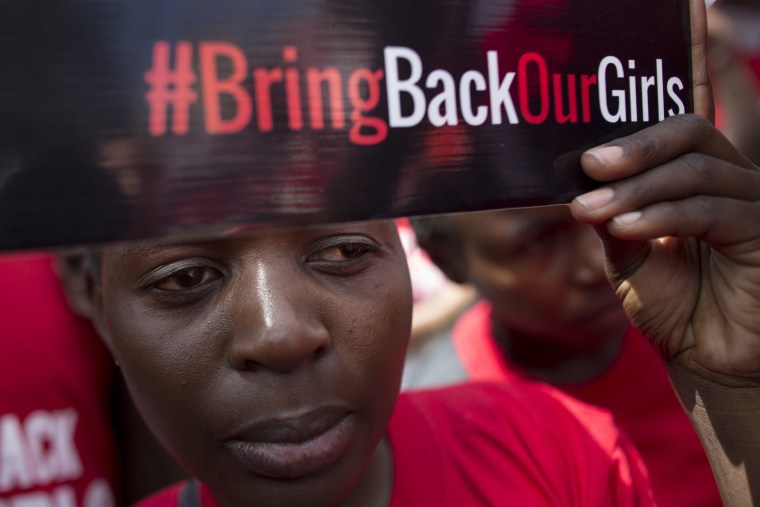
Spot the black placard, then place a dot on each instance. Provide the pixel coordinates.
(124, 119)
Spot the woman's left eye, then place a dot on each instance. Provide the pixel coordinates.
(341, 253)
(187, 279)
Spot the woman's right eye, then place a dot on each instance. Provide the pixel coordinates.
(188, 279)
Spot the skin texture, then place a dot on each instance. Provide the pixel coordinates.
(214, 338)
(543, 273)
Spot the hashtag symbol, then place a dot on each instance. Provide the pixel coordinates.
(169, 86)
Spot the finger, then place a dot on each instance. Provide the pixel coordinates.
(716, 220)
(622, 257)
(703, 98)
(657, 145)
(689, 175)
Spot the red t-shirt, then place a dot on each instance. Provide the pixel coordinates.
(635, 389)
(56, 444)
(501, 444)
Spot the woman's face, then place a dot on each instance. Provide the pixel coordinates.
(268, 365)
(543, 273)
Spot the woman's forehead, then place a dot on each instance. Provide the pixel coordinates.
(381, 230)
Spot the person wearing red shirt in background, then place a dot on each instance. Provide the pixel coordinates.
(69, 437)
(57, 444)
(549, 314)
(734, 40)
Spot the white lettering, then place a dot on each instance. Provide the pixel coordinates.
(32, 500)
(469, 80)
(40, 435)
(674, 83)
(632, 94)
(618, 94)
(442, 109)
(499, 93)
(98, 494)
(15, 469)
(64, 447)
(395, 87)
(660, 91)
(646, 84)
(40, 452)
(64, 497)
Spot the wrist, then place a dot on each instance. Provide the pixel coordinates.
(706, 391)
(727, 420)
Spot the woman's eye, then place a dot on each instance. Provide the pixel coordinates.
(341, 253)
(343, 256)
(187, 279)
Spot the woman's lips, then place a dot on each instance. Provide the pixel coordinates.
(295, 447)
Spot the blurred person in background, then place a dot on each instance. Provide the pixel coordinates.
(58, 446)
(69, 435)
(734, 39)
(549, 314)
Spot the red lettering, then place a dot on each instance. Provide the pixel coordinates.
(331, 76)
(586, 82)
(263, 80)
(572, 100)
(377, 126)
(292, 90)
(213, 87)
(170, 87)
(543, 87)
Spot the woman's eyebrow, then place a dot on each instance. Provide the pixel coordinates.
(166, 249)
(133, 249)
(142, 249)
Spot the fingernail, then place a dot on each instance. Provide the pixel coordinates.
(606, 155)
(596, 199)
(627, 218)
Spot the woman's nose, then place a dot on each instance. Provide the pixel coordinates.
(277, 321)
(589, 255)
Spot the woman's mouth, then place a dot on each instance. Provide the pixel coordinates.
(294, 447)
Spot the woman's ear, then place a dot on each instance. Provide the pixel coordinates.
(69, 267)
(93, 293)
(95, 299)
(78, 271)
